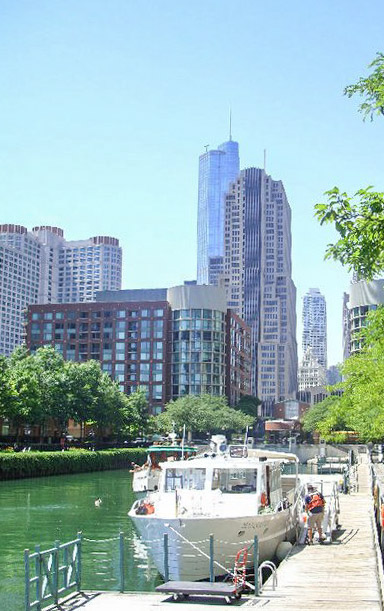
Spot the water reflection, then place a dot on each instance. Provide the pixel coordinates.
(41, 510)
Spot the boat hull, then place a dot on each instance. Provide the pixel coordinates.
(189, 541)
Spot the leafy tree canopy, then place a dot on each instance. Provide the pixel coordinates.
(202, 414)
(359, 219)
(249, 404)
(361, 407)
(371, 89)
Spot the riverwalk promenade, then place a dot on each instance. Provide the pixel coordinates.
(344, 575)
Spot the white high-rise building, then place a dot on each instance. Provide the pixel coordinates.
(315, 325)
(311, 373)
(42, 267)
(258, 279)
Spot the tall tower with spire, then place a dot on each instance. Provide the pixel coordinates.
(217, 169)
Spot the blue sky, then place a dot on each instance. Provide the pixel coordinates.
(106, 106)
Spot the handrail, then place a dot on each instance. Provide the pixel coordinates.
(268, 564)
(52, 576)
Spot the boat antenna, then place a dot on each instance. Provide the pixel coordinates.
(182, 443)
(245, 439)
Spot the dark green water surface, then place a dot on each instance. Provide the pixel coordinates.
(41, 510)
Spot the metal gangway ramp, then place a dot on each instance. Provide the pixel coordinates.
(343, 576)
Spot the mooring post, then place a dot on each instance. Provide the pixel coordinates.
(256, 563)
(211, 554)
(27, 582)
(121, 541)
(56, 572)
(166, 560)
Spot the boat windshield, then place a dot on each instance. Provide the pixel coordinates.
(235, 480)
(186, 479)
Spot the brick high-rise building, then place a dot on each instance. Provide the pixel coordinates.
(171, 342)
(42, 267)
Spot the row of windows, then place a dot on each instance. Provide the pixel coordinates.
(144, 313)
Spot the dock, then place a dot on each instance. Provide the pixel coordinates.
(344, 575)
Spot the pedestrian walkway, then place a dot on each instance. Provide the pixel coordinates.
(341, 576)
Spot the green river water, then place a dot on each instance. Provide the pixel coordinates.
(39, 511)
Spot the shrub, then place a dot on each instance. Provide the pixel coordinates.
(36, 464)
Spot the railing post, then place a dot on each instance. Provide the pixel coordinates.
(79, 549)
(121, 555)
(56, 572)
(166, 559)
(256, 563)
(211, 554)
(38, 576)
(27, 582)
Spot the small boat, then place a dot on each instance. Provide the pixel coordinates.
(146, 478)
(232, 493)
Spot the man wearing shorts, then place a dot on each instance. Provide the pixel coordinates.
(314, 506)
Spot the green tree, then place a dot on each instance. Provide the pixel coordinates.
(320, 417)
(8, 394)
(201, 414)
(371, 89)
(359, 219)
(249, 405)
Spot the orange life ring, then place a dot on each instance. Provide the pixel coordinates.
(382, 516)
(263, 499)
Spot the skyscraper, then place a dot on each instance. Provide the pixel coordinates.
(315, 325)
(258, 279)
(217, 169)
(42, 267)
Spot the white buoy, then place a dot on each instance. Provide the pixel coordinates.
(283, 550)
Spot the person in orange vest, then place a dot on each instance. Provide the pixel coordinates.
(314, 506)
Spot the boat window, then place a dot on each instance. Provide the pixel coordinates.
(186, 479)
(234, 480)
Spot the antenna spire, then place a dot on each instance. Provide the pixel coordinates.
(230, 124)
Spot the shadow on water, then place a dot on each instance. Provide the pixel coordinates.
(39, 511)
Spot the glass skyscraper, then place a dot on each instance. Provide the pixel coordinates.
(217, 169)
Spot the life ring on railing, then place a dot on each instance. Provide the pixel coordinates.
(263, 499)
(382, 516)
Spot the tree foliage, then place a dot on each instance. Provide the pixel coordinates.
(361, 407)
(359, 219)
(40, 387)
(249, 405)
(202, 414)
(371, 89)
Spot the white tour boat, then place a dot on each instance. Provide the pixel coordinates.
(232, 494)
(146, 478)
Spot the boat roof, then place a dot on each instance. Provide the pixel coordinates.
(273, 454)
(219, 461)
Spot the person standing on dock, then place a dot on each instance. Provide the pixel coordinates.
(314, 506)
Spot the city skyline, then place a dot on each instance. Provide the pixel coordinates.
(106, 110)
